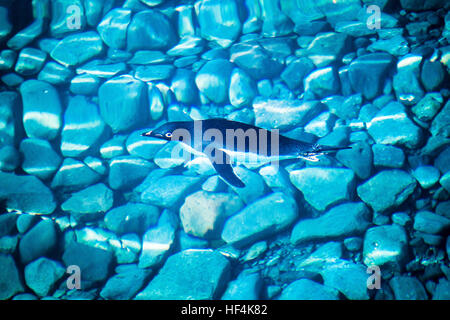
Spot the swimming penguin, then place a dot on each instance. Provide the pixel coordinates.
(225, 142)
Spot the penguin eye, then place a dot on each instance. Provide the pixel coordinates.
(169, 135)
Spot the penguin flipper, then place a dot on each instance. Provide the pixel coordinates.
(225, 170)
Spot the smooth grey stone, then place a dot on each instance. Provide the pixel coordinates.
(359, 159)
(284, 114)
(9, 277)
(321, 125)
(255, 60)
(296, 71)
(428, 106)
(184, 87)
(67, 17)
(431, 223)
(158, 240)
(26, 194)
(344, 220)
(396, 46)
(262, 218)
(94, 263)
(322, 82)
(219, 21)
(42, 274)
(391, 125)
(427, 176)
(275, 22)
(245, 287)
(213, 80)
(41, 109)
(89, 202)
(95, 164)
(125, 285)
(39, 158)
(441, 122)
(169, 190)
(305, 289)
(180, 279)
(254, 185)
(74, 175)
(131, 218)
(126, 172)
(386, 245)
(215, 53)
(184, 62)
(203, 213)
(27, 35)
(122, 104)
(83, 128)
(101, 69)
(114, 147)
(7, 59)
(47, 44)
(148, 57)
(339, 184)
(406, 81)
(55, 73)
(326, 48)
(84, 84)
(387, 156)
(30, 61)
(242, 88)
(40, 241)
(113, 27)
(187, 46)
(150, 29)
(407, 288)
(347, 277)
(78, 48)
(9, 158)
(387, 189)
(154, 72)
(367, 73)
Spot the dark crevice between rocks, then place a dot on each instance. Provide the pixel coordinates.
(20, 15)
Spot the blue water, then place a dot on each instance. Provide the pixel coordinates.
(92, 209)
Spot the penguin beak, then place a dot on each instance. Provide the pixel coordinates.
(147, 134)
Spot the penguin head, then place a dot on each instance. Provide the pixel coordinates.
(164, 131)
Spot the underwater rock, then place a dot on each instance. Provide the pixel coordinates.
(7, 223)
(359, 159)
(322, 82)
(254, 185)
(83, 128)
(30, 61)
(406, 81)
(391, 125)
(442, 291)
(55, 73)
(255, 60)
(321, 125)
(275, 22)
(445, 181)
(323, 187)
(96, 9)
(122, 104)
(90, 202)
(9, 158)
(441, 123)
(131, 218)
(203, 213)
(427, 176)
(326, 48)
(183, 86)
(150, 30)
(284, 114)
(428, 106)
(5, 25)
(387, 189)
(139, 146)
(154, 72)
(126, 172)
(367, 73)
(77, 48)
(9, 277)
(387, 156)
(158, 240)
(245, 287)
(124, 285)
(74, 175)
(296, 71)
(26, 194)
(39, 158)
(213, 80)
(407, 288)
(432, 75)
(42, 274)
(431, 223)
(347, 277)
(305, 289)
(84, 84)
(262, 218)
(180, 279)
(344, 220)
(102, 69)
(9, 118)
(219, 21)
(169, 190)
(7, 59)
(242, 89)
(157, 100)
(41, 109)
(94, 263)
(39, 241)
(113, 27)
(386, 245)
(188, 46)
